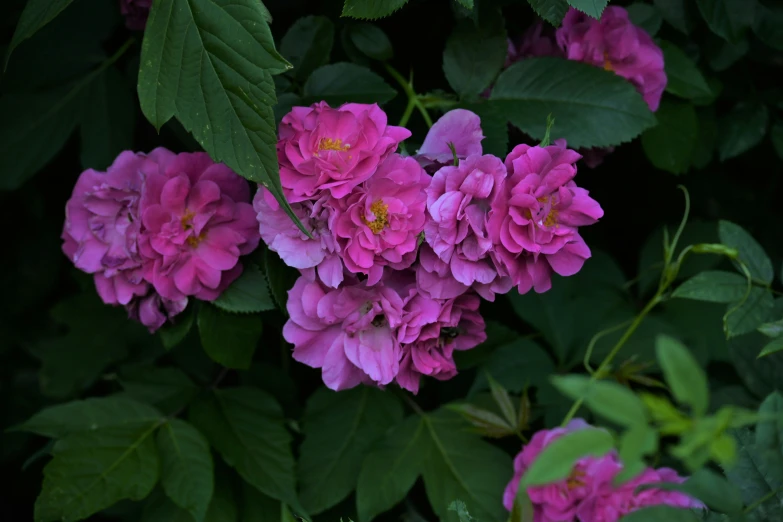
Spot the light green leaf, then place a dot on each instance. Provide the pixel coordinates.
(371, 9)
(36, 14)
(685, 377)
(473, 57)
(229, 339)
(758, 473)
(593, 107)
(462, 466)
(209, 64)
(684, 78)
(635, 443)
(515, 365)
(607, 399)
(558, 458)
(774, 346)
(389, 471)
(246, 426)
(553, 11)
(92, 470)
(166, 388)
(186, 472)
(339, 430)
(676, 14)
(107, 413)
(742, 129)
(592, 8)
(728, 18)
(372, 41)
(670, 144)
(750, 252)
(716, 286)
(660, 514)
(645, 16)
(308, 44)
(248, 294)
(340, 83)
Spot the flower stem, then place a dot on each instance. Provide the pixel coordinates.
(413, 98)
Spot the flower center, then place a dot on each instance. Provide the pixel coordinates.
(574, 480)
(379, 210)
(332, 144)
(607, 64)
(550, 220)
(187, 224)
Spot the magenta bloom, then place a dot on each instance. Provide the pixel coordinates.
(430, 332)
(135, 13)
(435, 279)
(297, 250)
(379, 223)
(349, 332)
(538, 40)
(324, 149)
(153, 311)
(458, 201)
(534, 222)
(615, 44)
(197, 221)
(459, 127)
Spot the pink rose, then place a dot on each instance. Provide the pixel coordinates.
(379, 223)
(297, 250)
(538, 40)
(197, 221)
(333, 150)
(348, 332)
(615, 44)
(153, 311)
(435, 279)
(534, 221)
(460, 128)
(458, 201)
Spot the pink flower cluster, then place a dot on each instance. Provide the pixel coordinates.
(400, 248)
(157, 228)
(588, 494)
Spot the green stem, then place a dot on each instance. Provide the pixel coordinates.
(413, 98)
(408, 111)
(763, 499)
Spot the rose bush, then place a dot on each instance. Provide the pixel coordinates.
(389, 260)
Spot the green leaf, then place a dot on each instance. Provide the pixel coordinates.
(108, 413)
(340, 83)
(684, 78)
(246, 426)
(660, 514)
(728, 18)
(186, 472)
(776, 134)
(515, 365)
(166, 388)
(750, 252)
(685, 377)
(553, 11)
(339, 430)
(36, 14)
(773, 329)
(714, 490)
(371, 9)
(768, 25)
(372, 41)
(281, 278)
(774, 346)
(222, 507)
(742, 129)
(461, 466)
(307, 45)
(389, 471)
(760, 376)
(722, 54)
(493, 125)
(676, 14)
(248, 294)
(593, 107)
(635, 443)
(209, 64)
(607, 399)
(159, 508)
(555, 462)
(473, 58)
(670, 144)
(92, 470)
(175, 331)
(257, 507)
(645, 16)
(715, 286)
(229, 339)
(592, 8)
(758, 473)
(544, 313)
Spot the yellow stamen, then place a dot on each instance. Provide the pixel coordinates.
(574, 480)
(607, 64)
(331, 144)
(187, 224)
(379, 209)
